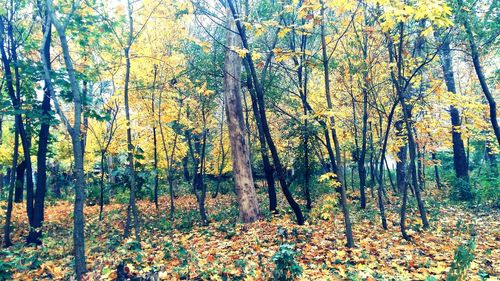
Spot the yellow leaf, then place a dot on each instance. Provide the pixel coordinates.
(283, 32)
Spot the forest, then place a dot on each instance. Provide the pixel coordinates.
(249, 140)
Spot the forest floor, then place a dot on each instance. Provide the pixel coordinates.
(226, 250)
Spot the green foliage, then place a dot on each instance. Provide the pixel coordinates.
(461, 190)
(485, 189)
(187, 220)
(464, 255)
(7, 265)
(287, 268)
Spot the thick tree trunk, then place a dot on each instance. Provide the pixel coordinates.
(460, 162)
(242, 171)
(268, 169)
(265, 127)
(78, 224)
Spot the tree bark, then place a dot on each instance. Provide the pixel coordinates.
(75, 133)
(460, 162)
(268, 169)
(131, 148)
(43, 142)
(242, 171)
(155, 150)
(261, 106)
(20, 178)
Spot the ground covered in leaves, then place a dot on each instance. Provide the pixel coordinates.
(226, 250)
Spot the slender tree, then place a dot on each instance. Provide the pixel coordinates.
(476, 60)
(74, 131)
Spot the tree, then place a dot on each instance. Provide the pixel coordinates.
(334, 158)
(15, 97)
(250, 68)
(460, 162)
(244, 185)
(476, 60)
(74, 130)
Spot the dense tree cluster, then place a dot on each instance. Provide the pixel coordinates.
(101, 99)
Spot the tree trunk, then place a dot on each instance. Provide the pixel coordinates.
(20, 178)
(268, 169)
(381, 167)
(242, 171)
(460, 162)
(169, 159)
(75, 133)
(221, 158)
(436, 171)
(101, 187)
(265, 127)
(131, 148)
(185, 169)
(335, 160)
(155, 142)
(302, 78)
(43, 142)
(411, 140)
(402, 222)
(401, 161)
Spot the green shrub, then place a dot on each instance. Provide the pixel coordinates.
(461, 190)
(7, 266)
(287, 268)
(464, 255)
(486, 191)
